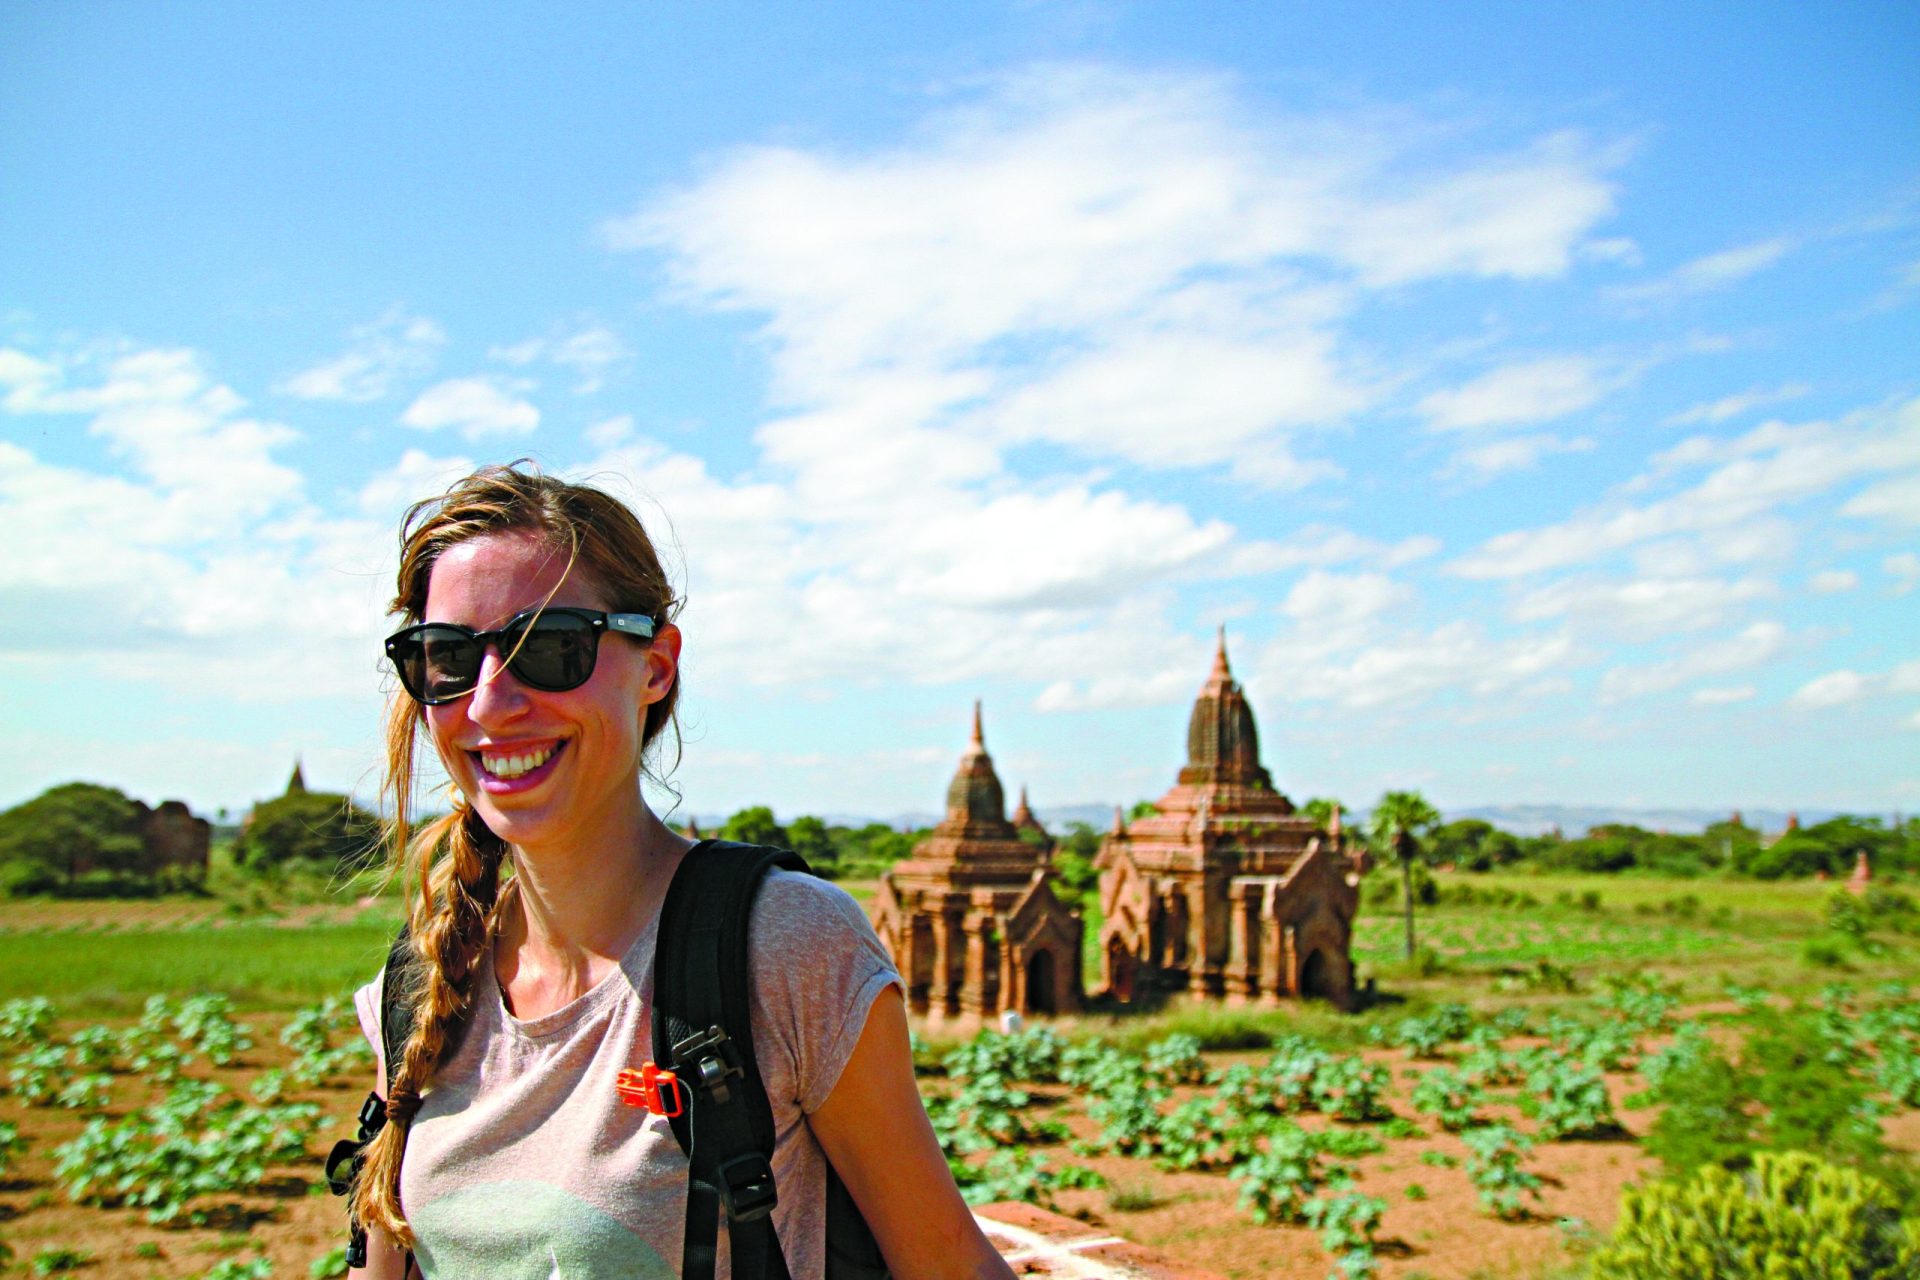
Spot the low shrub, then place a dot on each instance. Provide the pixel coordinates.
(1791, 1216)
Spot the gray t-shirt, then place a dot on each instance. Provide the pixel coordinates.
(524, 1164)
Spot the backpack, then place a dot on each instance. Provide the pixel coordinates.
(703, 1075)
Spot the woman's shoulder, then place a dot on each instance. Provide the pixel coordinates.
(797, 901)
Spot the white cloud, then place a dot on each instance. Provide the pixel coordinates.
(1641, 608)
(608, 432)
(417, 475)
(1905, 678)
(1830, 581)
(1904, 568)
(378, 355)
(1517, 453)
(1409, 667)
(591, 351)
(1721, 695)
(1343, 603)
(1751, 647)
(1517, 394)
(1134, 266)
(1733, 406)
(194, 564)
(1895, 500)
(1772, 468)
(1712, 272)
(479, 407)
(1835, 689)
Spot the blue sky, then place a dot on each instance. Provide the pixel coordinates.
(1533, 396)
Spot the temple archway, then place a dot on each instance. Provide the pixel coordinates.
(1040, 983)
(1316, 976)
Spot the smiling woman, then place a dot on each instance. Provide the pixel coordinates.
(541, 658)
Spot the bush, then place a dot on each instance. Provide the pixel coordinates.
(49, 842)
(307, 827)
(1790, 1217)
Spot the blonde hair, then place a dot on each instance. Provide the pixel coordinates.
(454, 862)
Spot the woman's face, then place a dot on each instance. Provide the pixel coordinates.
(543, 769)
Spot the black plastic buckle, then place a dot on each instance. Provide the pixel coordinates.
(746, 1187)
(707, 1060)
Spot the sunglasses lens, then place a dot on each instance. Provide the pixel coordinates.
(436, 663)
(555, 652)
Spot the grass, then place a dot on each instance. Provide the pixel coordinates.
(261, 966)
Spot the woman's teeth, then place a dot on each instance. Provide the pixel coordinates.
(514, 765)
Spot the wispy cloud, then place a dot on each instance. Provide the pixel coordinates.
(378, 355)
(592, 351)
(1711, 272)
(1716, 411)
(1519, 394)
(477, 407)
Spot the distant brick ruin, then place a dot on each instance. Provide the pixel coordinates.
(173, 840)
(1228, 891)
(971, 918)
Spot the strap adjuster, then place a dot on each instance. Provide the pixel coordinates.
(746, 1187)
(710, 1059)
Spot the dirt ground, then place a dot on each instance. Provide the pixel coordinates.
(1193, 1217)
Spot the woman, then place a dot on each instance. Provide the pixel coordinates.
(541, 660)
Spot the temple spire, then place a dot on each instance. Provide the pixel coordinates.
(1220, 669)
(979, 742)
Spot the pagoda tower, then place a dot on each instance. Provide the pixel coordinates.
(1228, 891)
(971, 918)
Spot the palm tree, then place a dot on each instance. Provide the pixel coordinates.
(1402, 821)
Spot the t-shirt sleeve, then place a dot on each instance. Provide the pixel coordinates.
(366, 1003)
(817, 968)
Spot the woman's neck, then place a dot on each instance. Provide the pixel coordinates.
(580, 908)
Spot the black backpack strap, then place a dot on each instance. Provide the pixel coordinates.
(396, 1025)
(702, 1029)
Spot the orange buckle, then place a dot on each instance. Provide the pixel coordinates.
(650, 1088)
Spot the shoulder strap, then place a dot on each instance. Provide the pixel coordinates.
(702, 1028)
(396, 1025)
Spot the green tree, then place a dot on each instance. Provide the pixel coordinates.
(49, 841)
(1320, 809)
(1142, 809)
(755, 825)
(1402, 823)
(810, 839)
(312, 828)
(1474, 844)
(1078, 880)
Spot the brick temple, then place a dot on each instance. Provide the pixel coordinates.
(971, 918)
(1228, 891)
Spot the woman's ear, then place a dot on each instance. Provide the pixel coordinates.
(663, 662)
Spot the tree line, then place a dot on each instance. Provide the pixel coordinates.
(81, 838)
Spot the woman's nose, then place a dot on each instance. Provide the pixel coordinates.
(499, 695)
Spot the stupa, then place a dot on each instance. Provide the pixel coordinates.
(1228, 891)
(971, 917)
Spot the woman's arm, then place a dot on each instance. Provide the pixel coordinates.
(875, 1131)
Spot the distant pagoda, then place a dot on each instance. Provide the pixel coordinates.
(971, 918)
(1227, 890)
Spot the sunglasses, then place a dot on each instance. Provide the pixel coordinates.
(547, 649)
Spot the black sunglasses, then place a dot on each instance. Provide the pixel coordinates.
(548, 649)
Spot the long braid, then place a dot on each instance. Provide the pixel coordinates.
(452, 923)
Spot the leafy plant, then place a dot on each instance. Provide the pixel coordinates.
(1493, 1165)
(1452, 1098)
(59, 1261)
(1569, 1098)
(234, 1269)
(1351, 1088)
(330, 1265)
(1347, 1223)
(11, 1146)
(1276, 1184)
(1176, 1059)
(26, 1021)
(1792, 1216)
